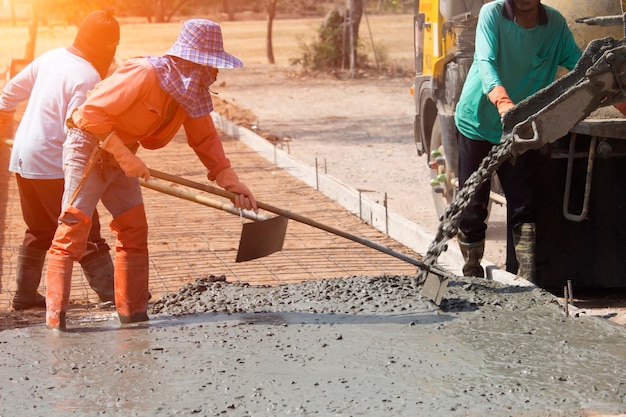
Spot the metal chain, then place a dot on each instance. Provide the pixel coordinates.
(448, 228)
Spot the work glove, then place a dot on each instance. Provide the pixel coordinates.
(621, 107)
(500, 98)
(128, 161)
(6, 124)
(228, 180)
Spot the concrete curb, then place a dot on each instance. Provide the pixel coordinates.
(395, 226)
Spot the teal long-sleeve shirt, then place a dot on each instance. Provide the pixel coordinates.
(522, 60)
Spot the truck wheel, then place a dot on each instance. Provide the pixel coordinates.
(443, 181)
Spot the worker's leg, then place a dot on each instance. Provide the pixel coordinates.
(28, 270)
(70, 239)
(124, 200)
(68, 245)
(518, 184)
(131, 265)
(41, 208)
(472, 222)
(41, 203)
(97, 264)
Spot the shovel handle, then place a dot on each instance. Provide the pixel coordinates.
(301, 219)
(156, 185)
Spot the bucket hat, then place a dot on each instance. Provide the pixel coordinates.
(200, 41)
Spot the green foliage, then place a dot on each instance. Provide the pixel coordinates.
(332, 48)
(329, 52)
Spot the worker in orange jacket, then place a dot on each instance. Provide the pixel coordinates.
(143, 103)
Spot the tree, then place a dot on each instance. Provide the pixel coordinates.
(229, 8)
(164, 10)
(69, 11)
(13, 16)
(155, 11)
(29, 53)
(143, 8)
(270, 6)
(351, 28)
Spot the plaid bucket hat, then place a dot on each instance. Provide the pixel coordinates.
(200, 41)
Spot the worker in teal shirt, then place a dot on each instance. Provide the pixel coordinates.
(520, 45)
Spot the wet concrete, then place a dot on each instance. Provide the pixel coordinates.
(369, 346)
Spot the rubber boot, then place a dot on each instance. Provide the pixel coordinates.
(131, 286)
(98, 269)
(131, 265)
(58, 286)
(472, 255)
(524, 239)
(30, 262)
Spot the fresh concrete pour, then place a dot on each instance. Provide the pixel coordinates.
(368, 346)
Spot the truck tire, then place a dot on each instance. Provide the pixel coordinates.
(443, 181)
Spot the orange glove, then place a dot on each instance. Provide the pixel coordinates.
(228, 180)
(500, 98)
(128, 161)
(6, 124)
(621, 107)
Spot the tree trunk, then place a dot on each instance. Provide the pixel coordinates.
(29, 53)
(228, 7)
(13, 16)
(158, 10)
(271, 14)
(168, 16)
(353, 20)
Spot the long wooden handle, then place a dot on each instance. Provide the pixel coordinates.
(301, 219)
(200, 199)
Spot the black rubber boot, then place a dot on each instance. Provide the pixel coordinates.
(472, 255)
(98, 269)
(524, 238)
(29, 266)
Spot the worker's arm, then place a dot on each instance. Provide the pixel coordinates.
(204, 139)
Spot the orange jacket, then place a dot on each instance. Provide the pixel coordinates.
(131, 103)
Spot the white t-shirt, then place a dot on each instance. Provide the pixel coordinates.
(54, 84)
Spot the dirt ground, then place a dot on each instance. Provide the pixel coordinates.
(359, 345)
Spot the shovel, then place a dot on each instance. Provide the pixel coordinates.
(272, 232)
(273, 229)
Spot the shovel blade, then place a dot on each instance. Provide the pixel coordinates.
(435, 287)
(261, 238)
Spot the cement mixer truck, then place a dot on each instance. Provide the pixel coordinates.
(581, 233)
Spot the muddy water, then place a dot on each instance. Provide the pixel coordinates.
(360, 346)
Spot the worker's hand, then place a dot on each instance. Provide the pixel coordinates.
(505, 107)
(500, 98)
(128, 161)
(6, 124)
(228, 180)
(621, 107)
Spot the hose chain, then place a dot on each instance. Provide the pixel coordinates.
(449, 226)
